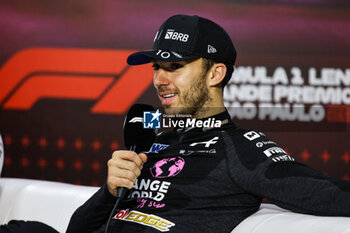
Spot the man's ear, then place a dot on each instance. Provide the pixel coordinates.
(217, 74)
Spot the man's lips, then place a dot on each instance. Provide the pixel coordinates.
(167, 97)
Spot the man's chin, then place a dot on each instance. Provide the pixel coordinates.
(170, 110)
(177, 110)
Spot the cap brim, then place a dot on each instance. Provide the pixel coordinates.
(144, 57)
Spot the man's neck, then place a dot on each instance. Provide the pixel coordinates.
(213, 106)
(209, 111)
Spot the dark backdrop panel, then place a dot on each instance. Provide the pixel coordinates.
(61, 112)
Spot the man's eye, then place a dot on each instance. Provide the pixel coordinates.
(156, 66)
(175, 66)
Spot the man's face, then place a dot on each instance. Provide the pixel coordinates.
(181, 86)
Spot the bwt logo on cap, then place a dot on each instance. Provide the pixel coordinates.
(151, 119)
(172, 35)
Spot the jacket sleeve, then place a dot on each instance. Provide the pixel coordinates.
(93, 214)
(261, 167)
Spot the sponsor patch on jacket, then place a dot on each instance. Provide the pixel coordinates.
(274, 151)
(251, 135)
(278, 154)
(149, 220)
(157, 147)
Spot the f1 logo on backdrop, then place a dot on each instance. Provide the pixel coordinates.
(83, 74)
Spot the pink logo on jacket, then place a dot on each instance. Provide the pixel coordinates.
(168, 167)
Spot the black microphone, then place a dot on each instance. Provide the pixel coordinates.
(135, 136)
(137, 139)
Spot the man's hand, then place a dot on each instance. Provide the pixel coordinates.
(123, 169)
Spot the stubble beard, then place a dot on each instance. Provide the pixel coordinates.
(193, 100)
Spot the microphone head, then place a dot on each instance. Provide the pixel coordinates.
(136, 137)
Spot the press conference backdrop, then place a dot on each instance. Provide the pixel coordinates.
(65, 86)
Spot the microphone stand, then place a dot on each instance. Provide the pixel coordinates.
(121, 191)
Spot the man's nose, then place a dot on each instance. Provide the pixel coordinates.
(161, 78)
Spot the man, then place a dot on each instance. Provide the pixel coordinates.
(221, 175)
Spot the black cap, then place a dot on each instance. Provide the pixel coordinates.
(183, 37)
